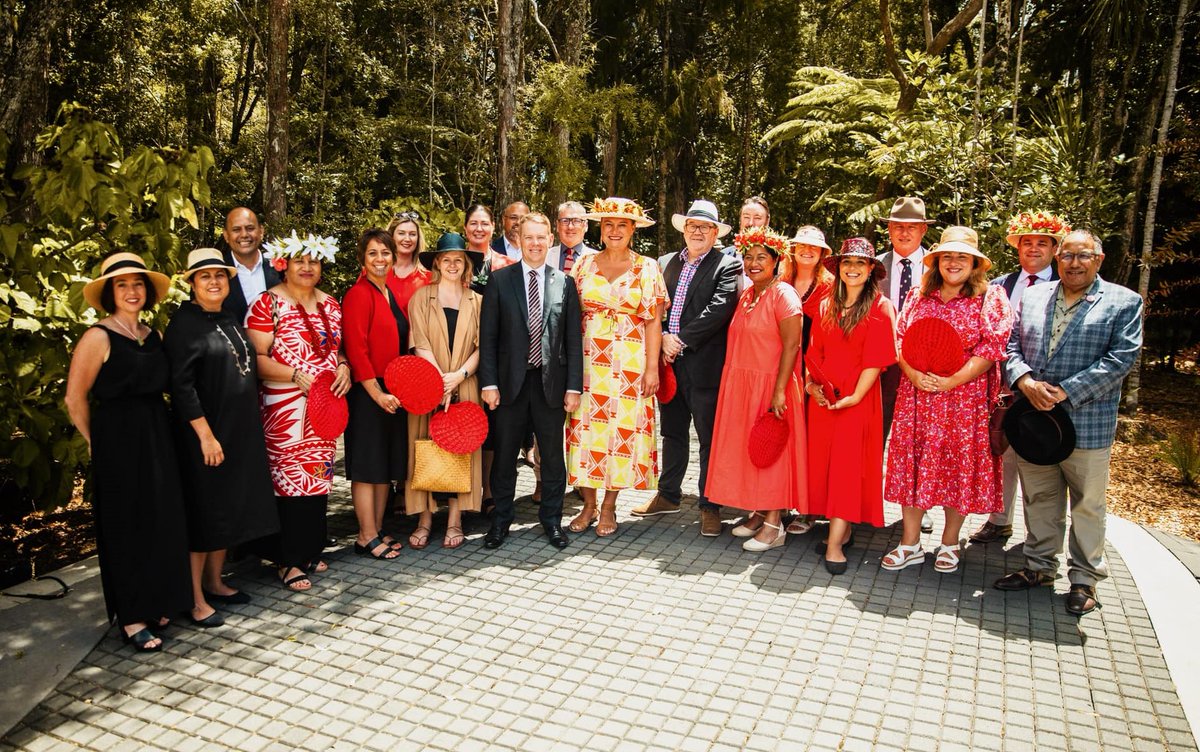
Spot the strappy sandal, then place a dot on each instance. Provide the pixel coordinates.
(800, 525)
(605, 529)
(754, 544)
(319, 567)
(947, 559)
(294, 583)
(417, 540)
(394, 542)
(453, 539)
(903, 557)
(387, 554)
(581, 523)
(1023, 579)
(743, 530)
(141, 639)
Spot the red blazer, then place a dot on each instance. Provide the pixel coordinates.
(369, 331)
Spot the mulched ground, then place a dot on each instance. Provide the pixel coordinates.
(1144, 488)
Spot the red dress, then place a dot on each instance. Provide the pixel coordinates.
(747, 383)
(845, 447)
(301, 462)
(939, 454)
(402, 288)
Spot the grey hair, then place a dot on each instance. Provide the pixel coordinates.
(1097, 246)
(564, 206)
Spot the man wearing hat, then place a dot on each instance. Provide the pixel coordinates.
(244, 236)
(1035, 235)
(703, 290)
(902, 267)
(1073, 344)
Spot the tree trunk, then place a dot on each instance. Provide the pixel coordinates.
(610, 153)
(510, 28)
(23, 92)
(275, 166)
(1160, 143)
(574, 26)
(1137, 179)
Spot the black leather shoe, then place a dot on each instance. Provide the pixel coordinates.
(236, 598)
(556, 536)
(989, 533)
(835, 567)
(495, 535)
(212, 620)
(1081, 600)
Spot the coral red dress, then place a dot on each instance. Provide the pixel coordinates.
(747, 383)
(939, 454)
(402, 288)
(845, 447)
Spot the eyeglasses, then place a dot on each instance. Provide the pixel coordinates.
(698, 227)
(572, 221)
(408, 215)
(1083, 258)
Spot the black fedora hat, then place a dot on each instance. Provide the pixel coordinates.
(452, 241)
(1043, 437)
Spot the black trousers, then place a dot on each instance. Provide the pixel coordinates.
(513, 421)
(889, 385)
(690, 405)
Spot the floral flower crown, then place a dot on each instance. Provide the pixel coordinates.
(280, 250)
(630, 208)
(1038, 222)
(764, 236)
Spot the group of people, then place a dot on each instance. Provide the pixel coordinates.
(795, 366)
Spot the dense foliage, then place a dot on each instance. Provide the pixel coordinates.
(828, 109)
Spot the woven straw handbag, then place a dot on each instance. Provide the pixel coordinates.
(435, 469)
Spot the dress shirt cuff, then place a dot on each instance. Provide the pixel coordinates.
(574, 391)
(493, 387)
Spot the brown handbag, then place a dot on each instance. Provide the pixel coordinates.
(996, 435)
(435, 469)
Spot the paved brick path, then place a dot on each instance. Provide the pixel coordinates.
(655, 638)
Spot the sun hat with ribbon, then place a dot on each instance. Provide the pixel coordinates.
(809, 235)
(958, 239)
(705, 211)
(615, 207)
(908, 209)
(415, 382)
(327, 413)
(117, 265)
(459, 429)
(206, 258)
(1038, 222)
(856, 247)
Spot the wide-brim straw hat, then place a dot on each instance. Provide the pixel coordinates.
(206, 258)
(1037, 223)
(908, 209)
(810, 236)
(120, 264)
(705, 211)
(451, 241)
(958, 239)
(615, 207)
(855, 248)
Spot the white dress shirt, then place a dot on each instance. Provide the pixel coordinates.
(253, 280)
(1023, 282)
(510, 250)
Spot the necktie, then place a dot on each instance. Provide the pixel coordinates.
(535, 322)
(1030, 280)
(905, 282)
(568, 260)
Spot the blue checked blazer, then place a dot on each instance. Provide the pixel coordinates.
(1095, 353)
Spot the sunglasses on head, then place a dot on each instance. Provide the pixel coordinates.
(408, 215)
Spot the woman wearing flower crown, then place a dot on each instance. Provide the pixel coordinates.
(296, 330)
(853, 339)
(760, 376)
(611, 437)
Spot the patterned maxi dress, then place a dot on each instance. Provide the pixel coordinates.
(301, 462)
(611, 437)
(939, 453)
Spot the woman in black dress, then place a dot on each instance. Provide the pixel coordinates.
(375, 331)
(219, 436)
(141, 535)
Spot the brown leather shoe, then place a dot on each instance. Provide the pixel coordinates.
(656, 506)
(989, 533)
(710, 523)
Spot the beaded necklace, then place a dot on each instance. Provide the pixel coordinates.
(321, 350)
(748, 306)
(243, 366)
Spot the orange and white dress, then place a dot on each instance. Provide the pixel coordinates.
(611, 441)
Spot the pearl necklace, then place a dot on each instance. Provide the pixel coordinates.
(243, 368)
(748, 306)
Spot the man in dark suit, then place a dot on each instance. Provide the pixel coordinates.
(531, 366)
(702, 286)
(243, 238)
(1036, 247)
(509, 242)
(571, 226)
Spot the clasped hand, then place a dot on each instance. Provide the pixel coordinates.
(1043, 396)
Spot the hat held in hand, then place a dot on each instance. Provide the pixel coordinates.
(932, 345)
(327, 413)
(1041, 437)
(768, 437)
(415, 382)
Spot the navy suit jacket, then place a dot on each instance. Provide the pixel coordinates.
(504, 334)
(712, 297)
(235, 304)
(1009, 281)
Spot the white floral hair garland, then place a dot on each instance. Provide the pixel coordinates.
(280, 250)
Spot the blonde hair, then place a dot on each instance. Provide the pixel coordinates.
(468, 269)
(391, 230)
(975, 285)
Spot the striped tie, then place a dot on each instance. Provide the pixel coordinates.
(535, 323)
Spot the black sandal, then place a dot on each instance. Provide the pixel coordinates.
(395, 542)
(291, 582)
(387, 554)
(1082, 600)
(1022, 579)
(141, 640)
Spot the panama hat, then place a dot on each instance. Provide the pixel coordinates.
(205, 258)
(451, 241)
(705, 211)
(615, 207)
(1041, 437)
(118, 265)
(854, 248)
(958, 239)
(908, 209)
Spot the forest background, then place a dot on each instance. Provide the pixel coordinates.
(136, 124)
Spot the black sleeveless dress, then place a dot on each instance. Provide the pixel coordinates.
(141, 534)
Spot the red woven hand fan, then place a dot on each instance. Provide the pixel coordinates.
(415, 383)
(327, 414)
(933, 346)
(768, 437)
(460, 428)
(666, 383)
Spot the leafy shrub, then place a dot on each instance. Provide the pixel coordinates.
(1183, 452)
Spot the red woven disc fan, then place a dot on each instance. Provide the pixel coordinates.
(768, 437)
(460, 428)
(327, 413)
(415, 383)
(666, 383)
(933, 346)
